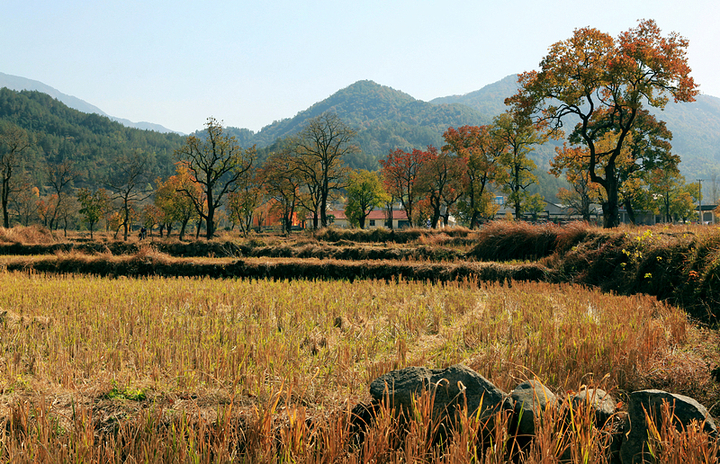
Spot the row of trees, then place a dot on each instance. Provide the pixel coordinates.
(306, 171)
(616, 153)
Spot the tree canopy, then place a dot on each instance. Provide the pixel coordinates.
(605, 82)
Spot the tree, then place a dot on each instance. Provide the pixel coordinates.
(129, 185)
(282, 182)
(519, 136)
(14, 142)
(320, 148)
(217, 163)
(400, 176)
(60, 176)
(481, 149)
(605, 83)
(93, 206)
(364, 193)
(440, 180)
(583, 193)
(174, 203)
(665, 186)
(243, 203)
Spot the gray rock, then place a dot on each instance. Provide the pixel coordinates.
(530, 399)
(634, 448)
(452, 388)
(601, 401)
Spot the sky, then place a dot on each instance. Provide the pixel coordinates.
(249, 63)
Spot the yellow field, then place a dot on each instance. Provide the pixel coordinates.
(106, 358)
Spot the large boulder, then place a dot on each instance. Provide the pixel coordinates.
(686, 410)
(452, 388)
(530, 399)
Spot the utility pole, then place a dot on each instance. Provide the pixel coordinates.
(700, 214)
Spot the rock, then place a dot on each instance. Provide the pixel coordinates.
(685, 409)
(601, 401)
(452, 387)
(530, 399)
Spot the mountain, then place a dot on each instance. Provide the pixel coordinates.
(385, 119)
(489, 100)
(20, 83)
(93, 142)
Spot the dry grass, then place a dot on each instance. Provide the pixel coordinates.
(200, 370)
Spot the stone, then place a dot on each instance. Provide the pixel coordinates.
(530, 400)
(686, 410)
(602, 402)
(452, 387)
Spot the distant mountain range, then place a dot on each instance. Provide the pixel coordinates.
(21, 83)
(386, 119)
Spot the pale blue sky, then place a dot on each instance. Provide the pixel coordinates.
(251, 62)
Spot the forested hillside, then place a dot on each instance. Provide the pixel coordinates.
(91, 141)
(385, 119)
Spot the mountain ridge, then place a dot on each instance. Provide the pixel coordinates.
(18, 83)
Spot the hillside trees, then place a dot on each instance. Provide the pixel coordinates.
(217, 163)
(605, 83)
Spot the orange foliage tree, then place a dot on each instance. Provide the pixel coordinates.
(400, 171)
(605, 83)
(481, 151)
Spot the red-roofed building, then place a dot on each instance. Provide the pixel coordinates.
(376, 218)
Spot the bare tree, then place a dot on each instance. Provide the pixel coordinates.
(320, 149)
(60, 177)
(217, 163)
(129, 186)
(14, 142)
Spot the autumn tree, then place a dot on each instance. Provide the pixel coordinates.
(440, 181)
(281, 180)
(604, 83)
(400, 172)
(364, 193)
(481, 151)
(171, 198)
(519, 136)
(217, 163)
(93, 206)
(14, 143)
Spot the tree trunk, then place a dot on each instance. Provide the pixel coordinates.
(611, 211)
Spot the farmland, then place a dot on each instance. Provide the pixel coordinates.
(258, 349)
